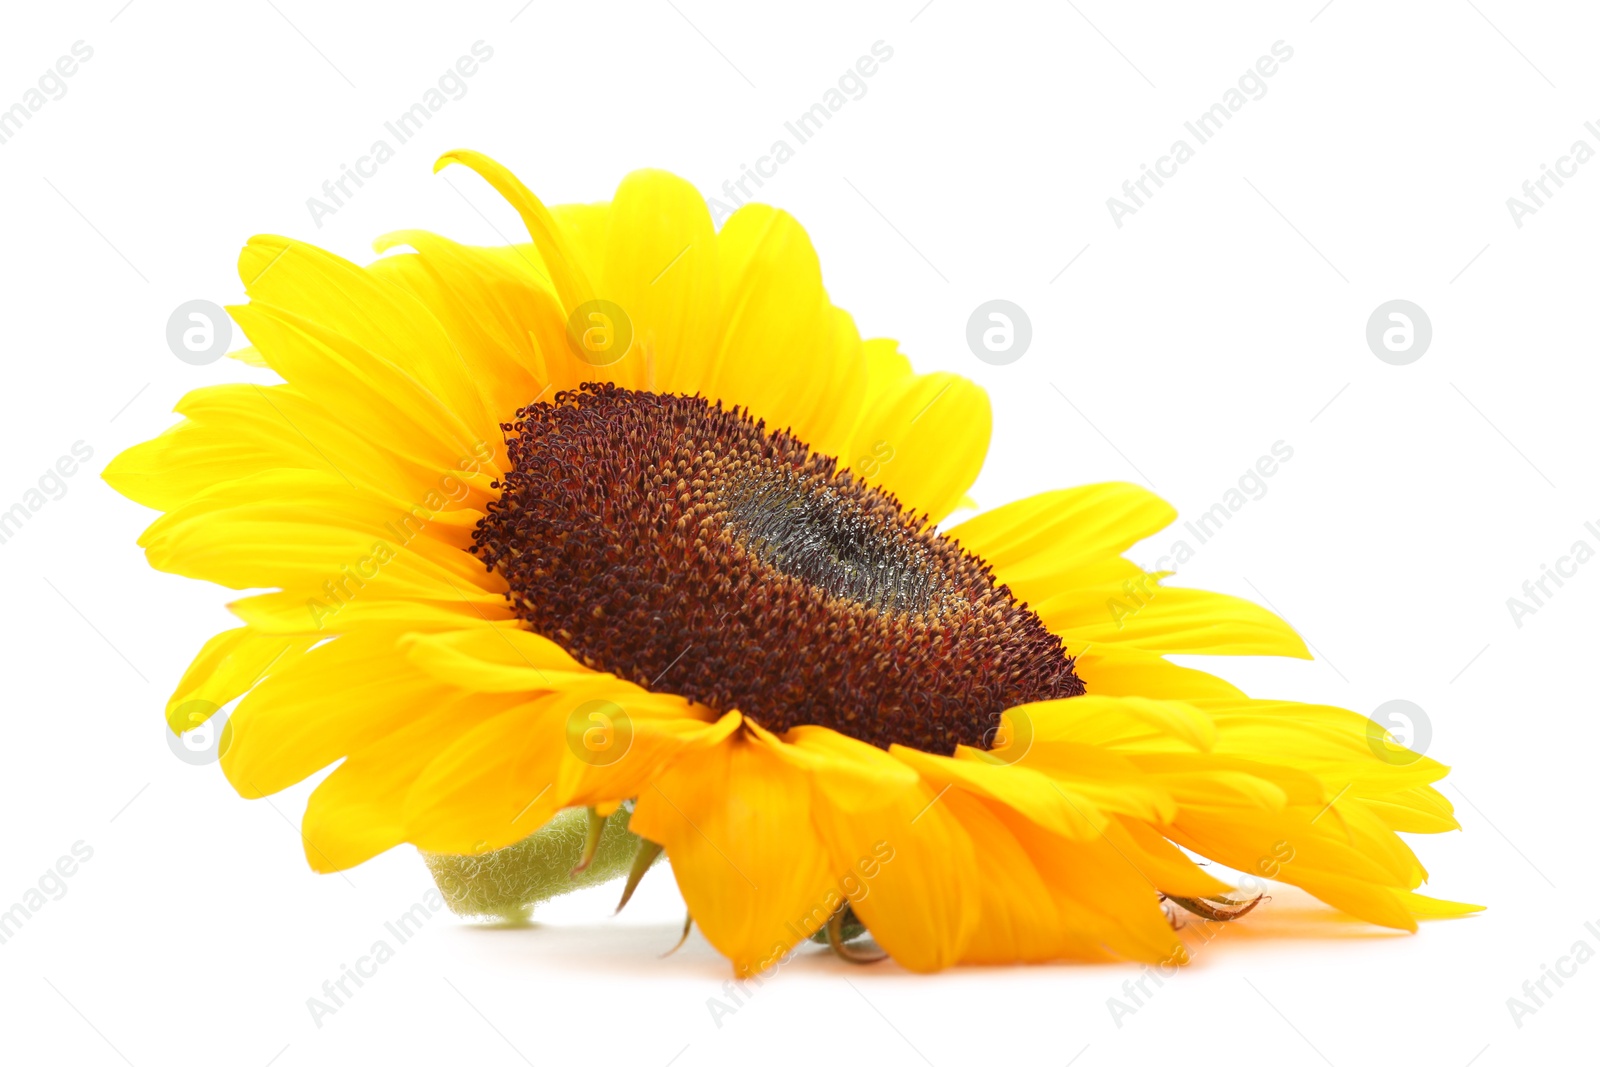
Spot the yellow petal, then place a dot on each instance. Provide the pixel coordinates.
(494, 784)
(368, 311)
(1020, 917)
(1161, 862)
(1068, 528)
(661, 268)
(930, 433)
(924, 902)
(1032, 795)
(658, 729)
(501, 780)
(565, 270)
(1434, 908)
(503, 659)
(1102, 782)
(359, 810)
(232, 431)
(849, 774)
(1125, 724)
(228, 665)
(831, 427)
(379, 401)
(310, 532)
(1117, 671)
(337, 698)
(1418, 809)
(1098, 890)
(498, 318)
(1174, 621)
(736, 822)
(777, 353)
(456, 606)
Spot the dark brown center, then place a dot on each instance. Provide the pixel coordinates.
(687, 549)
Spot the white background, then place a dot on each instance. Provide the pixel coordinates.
(1228, 314)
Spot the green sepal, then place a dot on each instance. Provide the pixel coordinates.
(507, 883)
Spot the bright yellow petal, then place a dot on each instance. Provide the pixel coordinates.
(308, 532)
(924, 902)
(1118, 671)
(231, 431)
(1418, 809)
(359, 810)
(1032, 795)
(929, 434)
(228, 665)
(1125, 724)
(1021, 918)
(564, 269)
(494, 659)
(777, 352)
(369, 312)
(494, 784)
(1097, 890)
(334, 700)
(1173, 621)
(1068, 528)
(499, 319)
(379, 401)
(736, 822)
(453, 606)
(661, 268)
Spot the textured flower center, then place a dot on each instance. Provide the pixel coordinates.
(685, 548)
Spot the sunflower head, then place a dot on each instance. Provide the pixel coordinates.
(686, 548)
(630, 519)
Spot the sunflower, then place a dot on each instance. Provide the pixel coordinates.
(631, 519)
